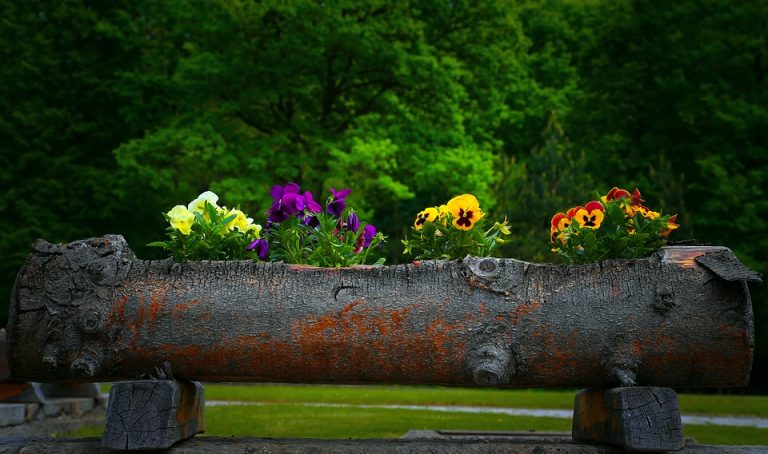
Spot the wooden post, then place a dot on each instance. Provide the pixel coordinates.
(153, 414)
(90, 311)
(637, 419)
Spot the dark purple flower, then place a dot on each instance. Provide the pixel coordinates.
(311, 221)
(337, 204)
(262, 248)
(353, 224)
(287, 202)
(368, 233)
(292, 203)
(277, 213)
(278, 191)
(311, 205)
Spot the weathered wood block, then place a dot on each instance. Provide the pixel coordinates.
(635, 418)
(90, 310)
(153, 414)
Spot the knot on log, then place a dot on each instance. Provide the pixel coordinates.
(493, 357)
(92, 321)
(85, 366)
(664, 300)
(491, 366)
(620, 364)
(502, 276)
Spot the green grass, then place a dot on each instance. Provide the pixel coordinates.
(525, 398)
(284, 416)
(295, 420)
(700, 404)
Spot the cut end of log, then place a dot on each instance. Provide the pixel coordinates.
(153, 414)
(638, 419)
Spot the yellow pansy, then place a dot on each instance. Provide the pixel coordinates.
(181, 219)
(591, 216)
(671, 225)
(253, 228)
(428, 215)
(240, 222)
(465, 210)
(647, 213)
(199, 203)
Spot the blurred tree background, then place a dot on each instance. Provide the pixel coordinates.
(113, 112)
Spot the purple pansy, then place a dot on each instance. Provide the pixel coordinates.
(368, 233)
(311, 221)
(287, 202)
(353, 224)
(337, 204)
(311, 205)
(278, 191)
(262, 248)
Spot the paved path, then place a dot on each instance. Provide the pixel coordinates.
(739, 421)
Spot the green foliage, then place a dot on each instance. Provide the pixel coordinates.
(441, 241)
(553, 175)
(621, 231)
(332, 243)
(454, 231)
(213, 235)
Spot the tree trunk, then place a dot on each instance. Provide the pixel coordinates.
(90, 311)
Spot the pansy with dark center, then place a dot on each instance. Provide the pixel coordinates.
(428, 215)
(337, 203)
(287, 202)
(591, 216)
(465, 210)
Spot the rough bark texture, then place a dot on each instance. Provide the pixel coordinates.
(153, 414)
(90, 311)
(637, 419)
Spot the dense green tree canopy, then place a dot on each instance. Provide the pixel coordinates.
(113, 112)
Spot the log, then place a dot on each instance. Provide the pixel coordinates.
(638, 419)
(91, 311)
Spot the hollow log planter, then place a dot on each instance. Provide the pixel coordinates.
(90, 311)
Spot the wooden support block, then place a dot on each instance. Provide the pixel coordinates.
(635, 418)
(153, 414)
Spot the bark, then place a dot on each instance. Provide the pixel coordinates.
(90, 311)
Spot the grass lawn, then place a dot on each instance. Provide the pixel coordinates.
(282, 415)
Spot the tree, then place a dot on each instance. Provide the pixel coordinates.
(58, 127)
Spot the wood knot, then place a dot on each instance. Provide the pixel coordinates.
(92, 321)
(86, 366)
(664, 300)
(491, 366)
(487, 266)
